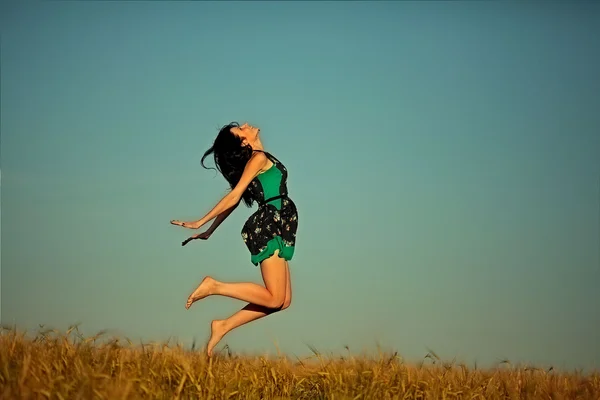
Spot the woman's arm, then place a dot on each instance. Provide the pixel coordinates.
(207, 233)
(220, 218)
(231, 199)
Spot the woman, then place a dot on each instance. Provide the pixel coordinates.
(269, 233)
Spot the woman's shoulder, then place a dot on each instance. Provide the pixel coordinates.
(259, 155)
(258, 160)
(264, 155)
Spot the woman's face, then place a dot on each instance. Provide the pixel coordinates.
(246, 132)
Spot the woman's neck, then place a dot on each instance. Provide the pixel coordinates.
(257, 145)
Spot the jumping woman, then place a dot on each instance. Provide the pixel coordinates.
(254, 175)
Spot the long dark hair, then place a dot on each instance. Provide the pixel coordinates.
(230, 157)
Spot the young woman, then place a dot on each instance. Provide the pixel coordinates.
(269, 233)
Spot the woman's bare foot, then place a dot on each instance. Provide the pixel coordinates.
(217, 331)
(204, 289)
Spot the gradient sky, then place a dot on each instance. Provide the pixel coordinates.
(444, 157)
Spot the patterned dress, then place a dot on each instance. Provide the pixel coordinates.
(273, 226)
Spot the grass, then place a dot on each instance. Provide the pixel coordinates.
(55, 365)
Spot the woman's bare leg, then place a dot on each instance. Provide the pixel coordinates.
(272, 296)
(249, 313)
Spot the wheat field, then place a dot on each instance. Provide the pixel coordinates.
(54, 365)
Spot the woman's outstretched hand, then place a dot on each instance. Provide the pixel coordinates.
(191, 225)
(203, 236)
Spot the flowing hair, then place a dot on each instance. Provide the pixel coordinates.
(230, 157)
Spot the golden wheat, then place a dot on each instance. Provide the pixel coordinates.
(54, 365)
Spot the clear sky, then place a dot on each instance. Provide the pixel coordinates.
(444, 158)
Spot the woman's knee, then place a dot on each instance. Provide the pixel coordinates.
(276, 303)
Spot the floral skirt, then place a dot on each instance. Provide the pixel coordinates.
(269, 229)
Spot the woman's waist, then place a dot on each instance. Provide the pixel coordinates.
(282, 198)
(283, 203)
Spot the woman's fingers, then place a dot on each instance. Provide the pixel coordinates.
(186, 241)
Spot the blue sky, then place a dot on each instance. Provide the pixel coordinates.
(444, 157)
